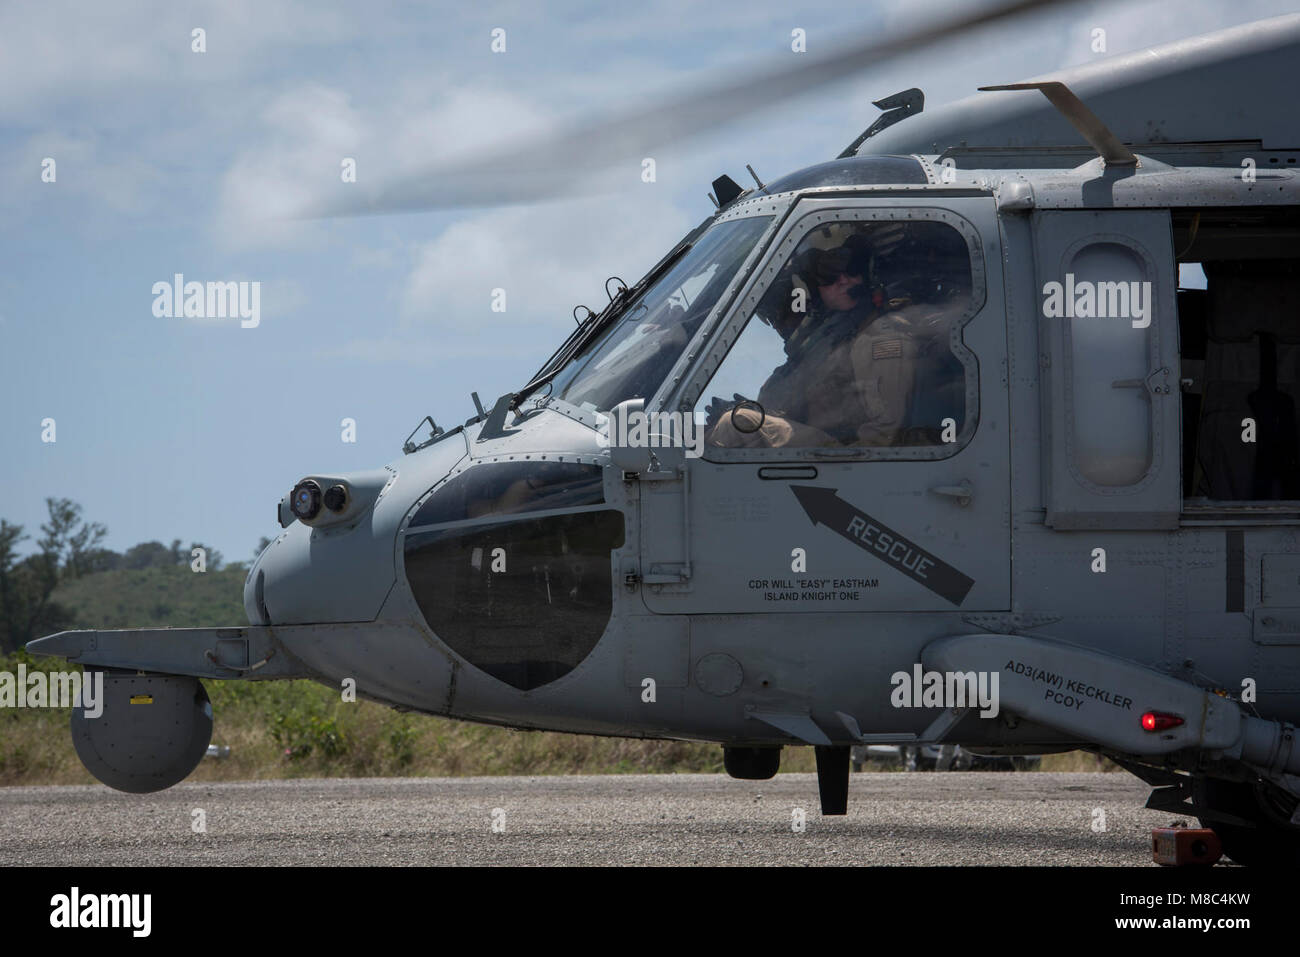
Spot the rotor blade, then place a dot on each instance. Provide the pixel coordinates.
(553, 164)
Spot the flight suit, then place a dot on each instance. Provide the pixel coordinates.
(883, 358)
(847, 381)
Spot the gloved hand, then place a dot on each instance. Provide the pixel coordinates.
(718, 406)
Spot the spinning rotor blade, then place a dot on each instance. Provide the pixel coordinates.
(550, 165)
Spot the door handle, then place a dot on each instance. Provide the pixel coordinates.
(1155, 388)
(962, 493)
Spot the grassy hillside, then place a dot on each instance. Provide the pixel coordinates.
(290, 729)
(156, 597)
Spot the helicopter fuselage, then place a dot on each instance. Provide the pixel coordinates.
(688, 615)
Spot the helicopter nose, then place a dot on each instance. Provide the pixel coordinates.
(306, 577)
(255, 594)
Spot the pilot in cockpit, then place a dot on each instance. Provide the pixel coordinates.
(848, 374)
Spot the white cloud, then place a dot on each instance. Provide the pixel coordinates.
(83, 170)
(307, 132)
(114, 55)
(296, 161)
(548, 258)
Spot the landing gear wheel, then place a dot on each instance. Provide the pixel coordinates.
(1273, 841)
(751, 764)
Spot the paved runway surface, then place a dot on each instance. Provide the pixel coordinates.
(894, 818)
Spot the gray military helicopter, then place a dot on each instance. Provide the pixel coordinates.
(922, 445)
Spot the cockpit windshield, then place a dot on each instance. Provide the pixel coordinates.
(631, 358)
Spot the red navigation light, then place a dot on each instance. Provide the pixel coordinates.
(1159, 721)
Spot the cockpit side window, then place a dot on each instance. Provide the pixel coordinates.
(852, 345)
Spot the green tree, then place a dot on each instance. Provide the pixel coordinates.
(101, 560)
(69, 539)
(67, 550)
(10, 587)
(150, 555)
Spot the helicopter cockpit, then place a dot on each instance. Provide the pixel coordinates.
(631, 357)
(851, 345)
(629, 349)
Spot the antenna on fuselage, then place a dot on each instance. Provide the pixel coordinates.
(1097, 133)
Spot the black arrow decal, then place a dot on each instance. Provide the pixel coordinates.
(825, 507)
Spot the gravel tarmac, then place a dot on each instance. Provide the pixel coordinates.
(960, 818)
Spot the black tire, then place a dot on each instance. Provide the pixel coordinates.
(751, 764)
(1273, 841)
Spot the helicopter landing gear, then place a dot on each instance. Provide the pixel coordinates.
(833, 778)
(1267, 835)
(751, 764)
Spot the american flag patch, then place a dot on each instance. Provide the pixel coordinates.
(887, 349)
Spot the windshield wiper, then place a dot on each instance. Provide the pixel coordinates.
(593, 325)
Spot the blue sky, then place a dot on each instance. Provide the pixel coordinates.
(171, 161)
